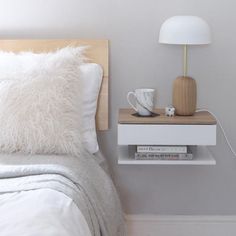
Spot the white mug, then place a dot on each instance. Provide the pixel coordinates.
(144, 101)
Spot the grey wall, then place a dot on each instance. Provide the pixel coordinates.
(137, 60)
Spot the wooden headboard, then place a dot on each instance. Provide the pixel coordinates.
(97, 52)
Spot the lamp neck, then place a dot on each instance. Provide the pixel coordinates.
(185, 60)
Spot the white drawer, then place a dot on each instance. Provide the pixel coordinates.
(148, 134)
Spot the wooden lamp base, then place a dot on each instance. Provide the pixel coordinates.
(184, 96)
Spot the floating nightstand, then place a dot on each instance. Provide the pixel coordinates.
(198, 130)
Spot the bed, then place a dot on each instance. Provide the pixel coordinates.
(45, 188)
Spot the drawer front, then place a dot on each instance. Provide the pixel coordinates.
(133, 134)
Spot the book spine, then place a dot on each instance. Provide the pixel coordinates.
(163, 156)
(161, 149)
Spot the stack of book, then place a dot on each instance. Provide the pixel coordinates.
(157, 152)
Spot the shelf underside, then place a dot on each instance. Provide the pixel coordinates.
(202, 156)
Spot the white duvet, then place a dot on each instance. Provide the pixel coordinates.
(51, 195)
(42, 212)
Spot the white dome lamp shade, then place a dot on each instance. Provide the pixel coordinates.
(185, 30)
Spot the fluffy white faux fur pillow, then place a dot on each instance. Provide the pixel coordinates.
(40, 102)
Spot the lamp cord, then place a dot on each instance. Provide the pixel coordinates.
(222, 129)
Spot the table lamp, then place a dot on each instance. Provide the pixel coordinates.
(185, 30)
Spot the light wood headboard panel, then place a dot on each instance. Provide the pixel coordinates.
(97, 52)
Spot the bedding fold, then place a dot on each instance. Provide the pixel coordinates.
(80, 178)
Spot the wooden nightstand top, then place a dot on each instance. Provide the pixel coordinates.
(199, 118)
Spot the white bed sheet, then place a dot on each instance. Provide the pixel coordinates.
(40, 212)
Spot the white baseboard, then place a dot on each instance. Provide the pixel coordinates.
(154, 225)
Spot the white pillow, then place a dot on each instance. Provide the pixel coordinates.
(91, 75)
(41, 102)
